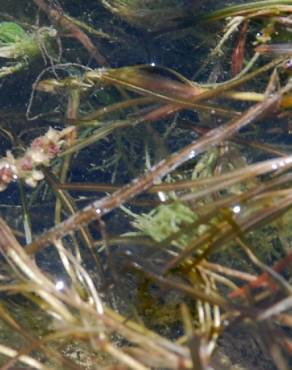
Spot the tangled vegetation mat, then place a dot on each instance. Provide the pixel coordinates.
(145, 184)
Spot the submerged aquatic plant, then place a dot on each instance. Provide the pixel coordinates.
(22, 47)
(40, 153)
(191, 238)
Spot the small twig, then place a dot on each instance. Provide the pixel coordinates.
(66, 24)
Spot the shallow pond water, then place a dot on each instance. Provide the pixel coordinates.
(145, 181)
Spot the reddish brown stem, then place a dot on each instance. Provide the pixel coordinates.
(264, 279)
(238, 52)
(57, 16)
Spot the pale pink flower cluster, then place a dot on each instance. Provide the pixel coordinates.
(40, 153)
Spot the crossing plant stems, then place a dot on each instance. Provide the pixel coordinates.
(145, 179)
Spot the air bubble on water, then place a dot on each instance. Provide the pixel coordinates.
(60, 285)
(236, 209)
(192, 154)
(162, 196)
